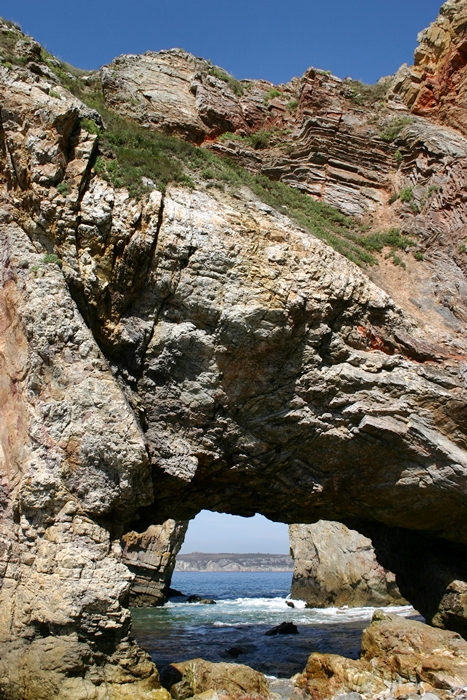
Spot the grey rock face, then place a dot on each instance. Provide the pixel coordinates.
(151, 557)
(335, 566)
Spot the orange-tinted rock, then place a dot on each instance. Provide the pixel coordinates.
(399, 657)
(436, 85)
(233, 681)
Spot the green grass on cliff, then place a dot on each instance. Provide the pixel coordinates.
(130, 152)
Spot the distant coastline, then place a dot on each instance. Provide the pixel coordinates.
(231, 562)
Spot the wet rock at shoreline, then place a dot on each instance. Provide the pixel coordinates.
(202, 601)
(150, 556)
(335, 566)
(399, 658)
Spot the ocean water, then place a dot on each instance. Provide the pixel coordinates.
(233, 630)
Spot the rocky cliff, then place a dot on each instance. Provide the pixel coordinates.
(335, 566)
(150, 556)
(187, 323)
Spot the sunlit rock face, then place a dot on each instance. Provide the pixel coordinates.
(199, 349)
(336, 566)
(435, 86)
(150, 556)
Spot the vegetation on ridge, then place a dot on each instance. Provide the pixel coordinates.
(137, 158)
(129, 153)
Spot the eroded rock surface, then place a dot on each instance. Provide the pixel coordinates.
(435, 86)
(335, 566)
(151, 557)
(400, 658)
(197, 676)
(199, 349)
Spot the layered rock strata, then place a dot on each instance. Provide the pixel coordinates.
(199, 349)
(335, 566)
(233, 562)
(151, 557)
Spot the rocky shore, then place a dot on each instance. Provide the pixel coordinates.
(245, 298)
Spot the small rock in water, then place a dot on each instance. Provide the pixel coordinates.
(348, 696)
(198, 599)
(235, 652)
(173, 593)
(289, 603)
(283, 628)
(194, 599)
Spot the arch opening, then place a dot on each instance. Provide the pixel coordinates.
(230, 588)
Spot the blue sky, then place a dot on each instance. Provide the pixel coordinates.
(270, 39)
(217, 532)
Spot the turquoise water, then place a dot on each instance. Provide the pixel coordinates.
(248, 604)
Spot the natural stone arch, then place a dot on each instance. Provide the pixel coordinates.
(198, 350)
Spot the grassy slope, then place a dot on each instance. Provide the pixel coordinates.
(128, 153)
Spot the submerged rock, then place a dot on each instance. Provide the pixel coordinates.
(198, 599)
(283, 628)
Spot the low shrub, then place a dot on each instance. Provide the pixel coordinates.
(406, 194)
(90, 126)
(394, 128)
(234, 84)
(362, 94)
(273, 92)
(260, 139)
(62, 187)
(51, 259)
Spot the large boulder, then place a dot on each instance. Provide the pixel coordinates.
(335, 566)
(399, 657)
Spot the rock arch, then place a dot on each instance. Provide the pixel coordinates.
(197, 349)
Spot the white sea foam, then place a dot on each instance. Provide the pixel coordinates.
(241, 612)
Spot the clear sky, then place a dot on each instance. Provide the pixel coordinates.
(271, 39)
(217, 532)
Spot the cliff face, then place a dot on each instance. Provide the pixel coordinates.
(196, 345)
(435, 86)
(335, 566)
(197, 561)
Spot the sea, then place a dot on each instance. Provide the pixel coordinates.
(233, 630)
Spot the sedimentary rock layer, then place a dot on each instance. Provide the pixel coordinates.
(150, 556)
